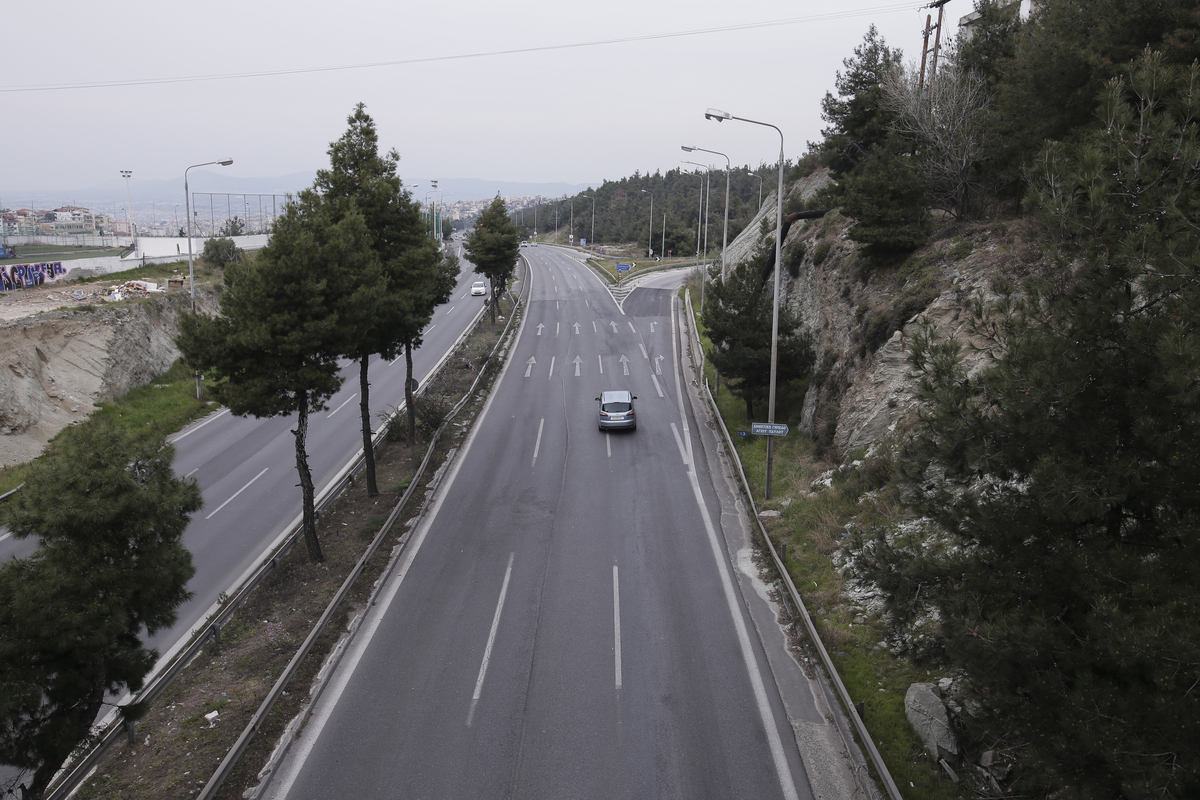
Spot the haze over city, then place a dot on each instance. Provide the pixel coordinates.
(533, 93)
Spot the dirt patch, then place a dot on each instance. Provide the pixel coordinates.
(178, 746)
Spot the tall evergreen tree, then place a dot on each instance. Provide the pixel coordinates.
(858, 117)
(737, 318)
(284, 322)
(1065, 53)
(1063, 476)
(416, 279)
(888, 198)
(110, 566)
(493, 247)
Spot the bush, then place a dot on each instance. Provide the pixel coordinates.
(819, 254)
(220, 251)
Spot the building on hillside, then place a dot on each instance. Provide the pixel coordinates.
(966, 24)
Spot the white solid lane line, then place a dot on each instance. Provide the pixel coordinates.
(190, 431)
(343, 405)
(239, 491)
(487, 652)
(782, 769)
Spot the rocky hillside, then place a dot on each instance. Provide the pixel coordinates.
(55, 366)
(859, 314)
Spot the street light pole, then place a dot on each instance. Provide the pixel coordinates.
(704, 212)
(721, 116)
(125, 173)
(760, 177)
(650, 234)
(725, 234)
(187, 200)
(592, 197)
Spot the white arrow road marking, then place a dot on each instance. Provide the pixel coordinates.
(539, 328)
(658, 365)
(239, 491)
(614, 326)
(652, 324)
(576, 327)
(577, 362)
(645, 355)
(625, 363)
(529, 366)
(487, 651)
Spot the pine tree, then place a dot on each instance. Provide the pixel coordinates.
(110, 566)
(888, 198)
(737, 318)
(416, 277)
(1065, 475)
(284, 322)
(493, 248)
(858, 118)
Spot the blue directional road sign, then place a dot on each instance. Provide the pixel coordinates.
(768, 428)
(622, 268)
(743, 433)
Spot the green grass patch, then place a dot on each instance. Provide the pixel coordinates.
(59, 252)
(161, 407)
(150, 272)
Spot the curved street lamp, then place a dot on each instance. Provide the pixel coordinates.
(187, 199)
(721, 116)
(705, 197)
(760, 181)
(725, 233)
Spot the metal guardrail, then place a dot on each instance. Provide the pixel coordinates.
(115, 726)
(848, 704)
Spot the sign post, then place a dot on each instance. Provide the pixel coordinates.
(768, 429)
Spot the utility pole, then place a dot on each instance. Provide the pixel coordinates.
(937, 43)
(940, 5)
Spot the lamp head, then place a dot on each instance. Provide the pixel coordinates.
(717, 114)
(686, 148)
(224, 162)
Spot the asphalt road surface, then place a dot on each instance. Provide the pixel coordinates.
(569, 619)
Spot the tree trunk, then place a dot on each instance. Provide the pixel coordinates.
(364, 406)
(306, 484)
(409, 403)
(81, 723)
(493, 299)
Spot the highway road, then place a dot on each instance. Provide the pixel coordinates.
(576, 615)
(246, 467)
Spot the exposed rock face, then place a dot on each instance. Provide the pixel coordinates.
(924, 710)
(54, 367)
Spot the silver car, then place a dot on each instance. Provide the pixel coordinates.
(616, 411)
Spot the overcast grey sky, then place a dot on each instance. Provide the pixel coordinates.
(584, 92)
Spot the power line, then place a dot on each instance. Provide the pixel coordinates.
(873, 10)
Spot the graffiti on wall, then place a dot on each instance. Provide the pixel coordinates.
(19, 276)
